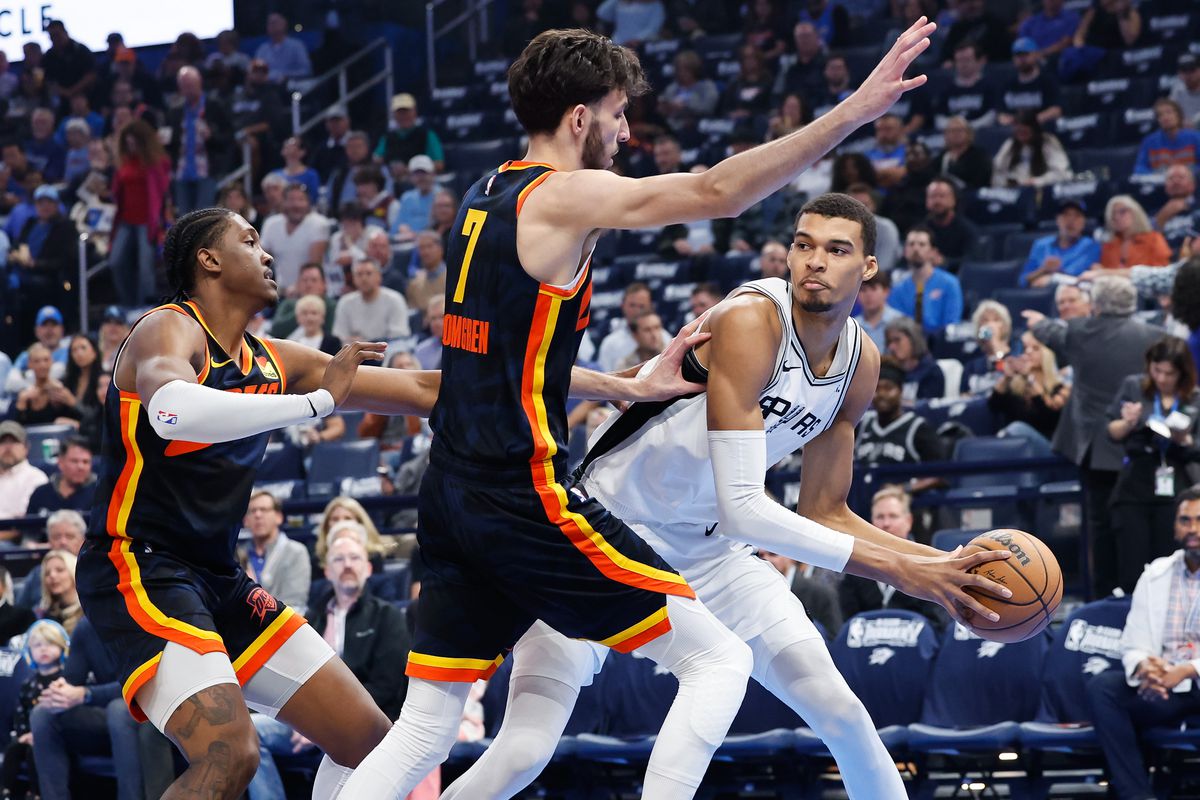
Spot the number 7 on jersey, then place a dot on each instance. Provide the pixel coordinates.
(472, 227)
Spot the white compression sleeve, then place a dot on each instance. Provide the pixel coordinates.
(747, 514)
(195, 413)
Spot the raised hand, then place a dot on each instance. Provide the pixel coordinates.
(886, 83)
(339, 373)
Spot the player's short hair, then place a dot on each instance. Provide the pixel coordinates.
(560, 69)
(192, 232)
(895, 492)
(843, 206)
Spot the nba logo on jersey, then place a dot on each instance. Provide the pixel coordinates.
(267, 368)
(168, 418)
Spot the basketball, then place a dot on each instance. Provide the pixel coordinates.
(1033, 575)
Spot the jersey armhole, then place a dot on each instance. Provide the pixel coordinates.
(200, 376)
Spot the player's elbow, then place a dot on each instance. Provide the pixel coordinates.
(721, 196)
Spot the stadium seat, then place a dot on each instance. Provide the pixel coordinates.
(1092, 129)
(1107, 162)
(335, 463)
(473, 159)
(981, 279)
(43, 442)
(994, 448)
(1001, 205)
(1131, 125)
(973, 413)
(1093, 191)
(1019, 299)
(949, 538)
(283, 461)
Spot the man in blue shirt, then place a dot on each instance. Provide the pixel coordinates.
(1052, 29)
(286, 57)
(931, 296)
(1068, 252)
(875, 313)
(1170, 144)
(887, 156)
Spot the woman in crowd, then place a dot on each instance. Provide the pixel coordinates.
(793, 114)
(993, 332)
(310, 328)
(47, 400)
(1031, 157)
(294, 170)
(60, 600)
(1156, 417)
(923, 378)
(1132, 241)
(691, 95)
(1030, 394)
(233, 197)
(139, 190)
(852, 168)
(83, 369)
(749, 94)
(347, 508)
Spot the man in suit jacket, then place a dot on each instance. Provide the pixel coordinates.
(890, 511)
(1101, 350)
(280, 565)
(819, 596)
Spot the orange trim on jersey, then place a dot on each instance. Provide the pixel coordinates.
(533, 184)
(168, 307)
(267, 643)
(274, 354)
(606, 558)
(512, 165)
(639, 633)
(585, 308)
(571, 289)
(247, 362)
(455, 670)
(178, 447)
(137, 679)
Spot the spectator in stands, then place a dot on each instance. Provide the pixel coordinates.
(887, 236)
(1185, 90)
(1072, 301)
(1155, 415)
(1051, 29)
(891, 511)
(130, 85)
(852, 168)
(407, 138)
(806, 76)
(1031, 89)
(65, 530)
(200, 145)
(72, 487)
(91, 416)
(295, 170)
(1031, 157)
(14, 619)
(1178, 218)
(875, 313)
(430, 279)
(258, 115)
(18, 478)
(837, 84)
(428, 351)
(1068, 252)
(648, 333)
(78, 137)
(139, 191)
(792, 115)
(772, 260)
(60, 598)
(44, 252)
(749, 93)
(974, 24)
(970, 93)
(1030, 394)
(371, 313)
(46, 400)
(1108, 26)
(416, 204)
(953, 235)
(32, 92)
(525, 24)
(286, 57)
(832, 21)
(923, 378)
(690, 19)
(233, 197)
(310, 314)
(48, 332)
(691, 95)
(273, 186)
(766, 27)
(44, 152)
(928, 294)
(632, 22)
(83, 369)
(370, 189)
(396, 262)
(1101, 350)
(187, 50)
(620, 342)
(347, 245)
(887, 156)
(84, 714)
(330, 155)
(310, 282)
(45, 651)
(341, 509)
(905, 204)
(993, 331)
(341, 183)
(445, 210)
(1171, 144)
(704, 296)
(819, 598)
(228, 55)
(272, 559)
(1157, 685)
(8, 78)
(368, 634)
(890, 434)
(1131, 240)
(962, 158)
(113, 330)
(296, 237)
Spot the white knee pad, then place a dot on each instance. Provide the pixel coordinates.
(545, 653)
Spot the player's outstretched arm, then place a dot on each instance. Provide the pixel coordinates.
(663, 382)
(359, 387)
(589, 199)
(165, 354)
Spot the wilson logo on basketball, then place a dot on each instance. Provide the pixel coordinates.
(261, 603)
(1014, 548)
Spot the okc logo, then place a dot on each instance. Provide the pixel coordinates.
(1095, 665)
(261, 603)
(880, 656)
(989, 649)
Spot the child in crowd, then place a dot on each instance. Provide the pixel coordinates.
(46, 647)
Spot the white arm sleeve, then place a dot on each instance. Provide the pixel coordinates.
(747, 514)
(195, 413)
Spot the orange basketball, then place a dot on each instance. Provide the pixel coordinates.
(1033, 575)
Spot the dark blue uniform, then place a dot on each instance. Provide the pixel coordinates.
(159, 561)
(506, 541)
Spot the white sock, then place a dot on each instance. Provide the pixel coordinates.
(419, 741)
(331, 777)
(712, 666)
(802, 674)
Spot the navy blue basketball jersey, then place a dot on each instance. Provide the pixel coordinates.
(509, 341)
(182, 498)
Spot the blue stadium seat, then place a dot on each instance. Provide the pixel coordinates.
(335, 462)
(1094, 192)
(282, 462)
(1131, 125)
(1107, 162)
(981, 279)
(43, 442)
(949, 538)
(474, 159)
(1091, 129)
(1001, 205)
(993, 448)
(1019, 299)
(973, 413)
(1016, 247)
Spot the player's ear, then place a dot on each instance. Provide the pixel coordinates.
(579, 119)
(207, 259)
(872, 268)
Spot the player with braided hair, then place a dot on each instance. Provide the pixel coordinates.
(193, 399)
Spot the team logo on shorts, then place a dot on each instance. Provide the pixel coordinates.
(267, 368)
(261, 603)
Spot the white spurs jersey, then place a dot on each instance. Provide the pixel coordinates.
(650, 464)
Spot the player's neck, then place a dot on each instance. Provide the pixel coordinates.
(819, 333)
(563, 156)
(227, 317)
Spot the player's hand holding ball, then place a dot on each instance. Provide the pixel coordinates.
(339, 373)
(1033, 575)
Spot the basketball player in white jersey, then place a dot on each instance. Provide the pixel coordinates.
(786, 369)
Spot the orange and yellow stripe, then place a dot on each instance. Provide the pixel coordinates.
(269, 641)
(456, 670)
(639, 633)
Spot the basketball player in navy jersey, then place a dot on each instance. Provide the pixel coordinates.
(506, 542)
(193, 399)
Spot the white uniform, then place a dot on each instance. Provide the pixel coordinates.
(650, 466)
